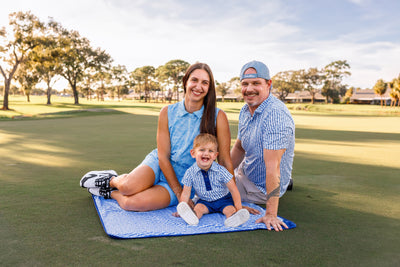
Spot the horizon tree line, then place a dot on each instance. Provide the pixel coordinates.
(32, 51)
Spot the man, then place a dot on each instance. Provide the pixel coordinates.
(263, 152)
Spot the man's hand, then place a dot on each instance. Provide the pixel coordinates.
(272, 221)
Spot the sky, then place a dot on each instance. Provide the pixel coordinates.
(226, 34)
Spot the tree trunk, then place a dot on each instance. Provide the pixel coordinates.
(76, 96)
(48, 94)
(6, 91)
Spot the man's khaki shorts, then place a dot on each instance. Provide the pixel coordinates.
(247, 189)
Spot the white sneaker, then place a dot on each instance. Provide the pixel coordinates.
(187, 213)
(106, 193)
(239, 218)
(97, 179)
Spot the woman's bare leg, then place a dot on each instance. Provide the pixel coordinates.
(138, 180)
(153, 198)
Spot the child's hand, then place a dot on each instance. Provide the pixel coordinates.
(251, 210)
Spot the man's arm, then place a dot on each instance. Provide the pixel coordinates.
(237, 153)
(272, 159)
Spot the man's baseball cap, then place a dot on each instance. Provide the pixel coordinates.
(261, 69)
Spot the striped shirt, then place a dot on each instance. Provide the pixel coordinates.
(218, 177)
(271, 127)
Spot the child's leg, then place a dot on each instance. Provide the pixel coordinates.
(228, 211)
(200, 210)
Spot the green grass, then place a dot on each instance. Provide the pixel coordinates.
(63, 107)
(345, 198)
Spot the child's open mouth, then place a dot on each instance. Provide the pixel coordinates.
(205, 158)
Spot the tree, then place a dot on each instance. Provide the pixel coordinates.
(394, 96)
(286, 82)
(77, 57)
(313, 79)
(25, 35)
(349, 93)
(281, 84)
(27, 78)
(155, 89)
(395, 91)
(380, 89)
(334, 74)
(235, 86)
(101, 77)
(88, 79)
(222, 89)
(45, 60)
(172, 73)
(119, 78)
(100, 64)
(143, 77)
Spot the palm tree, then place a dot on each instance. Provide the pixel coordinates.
(380, 89)
(394, 97)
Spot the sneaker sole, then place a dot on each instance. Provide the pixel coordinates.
(187, 214)
(238, 218)
(96, 191)
(89, 178)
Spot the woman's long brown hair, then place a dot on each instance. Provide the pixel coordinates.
(207, 124)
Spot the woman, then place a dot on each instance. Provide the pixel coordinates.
(156, 182)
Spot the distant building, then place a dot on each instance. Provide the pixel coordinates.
(368, 96)
(303, 97)
(231, 97)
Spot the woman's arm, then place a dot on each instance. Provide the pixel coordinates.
(164, 152)
(224, 141)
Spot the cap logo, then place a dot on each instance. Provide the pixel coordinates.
(250, 76)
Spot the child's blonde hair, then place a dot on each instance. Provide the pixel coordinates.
(205, 138)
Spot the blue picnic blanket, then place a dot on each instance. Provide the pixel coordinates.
(118, 223)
